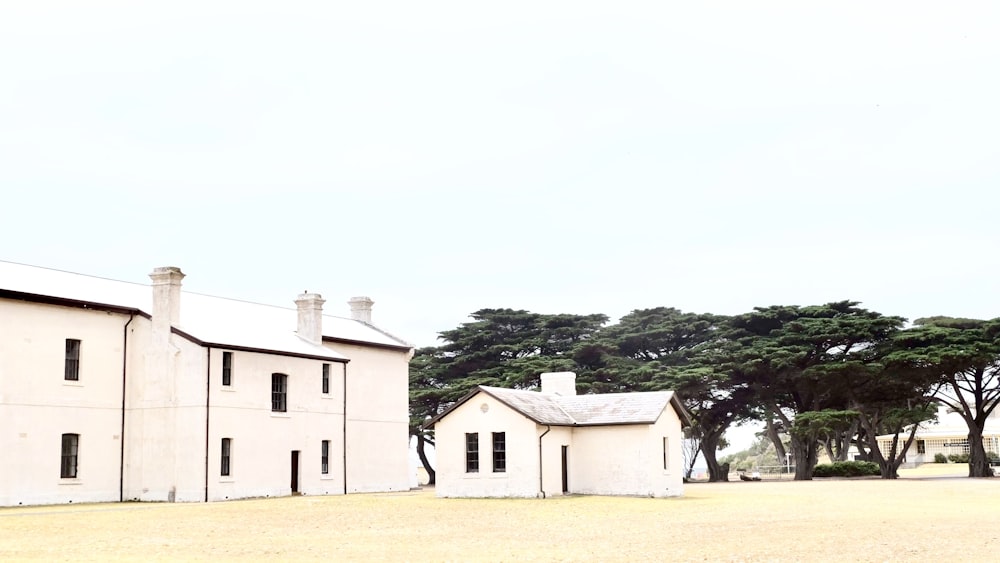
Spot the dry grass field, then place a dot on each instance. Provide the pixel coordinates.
(919, 517)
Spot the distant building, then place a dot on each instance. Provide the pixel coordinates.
(498, 442)
(948, 435)
(115, 391)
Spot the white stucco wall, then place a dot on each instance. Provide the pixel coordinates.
(521, 476)
(628, 459)
(552, 443)
(262, 440)
(37, 405)
(601, 460)
(378, 417)
(172, 385)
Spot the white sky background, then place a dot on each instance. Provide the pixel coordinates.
(557, 157)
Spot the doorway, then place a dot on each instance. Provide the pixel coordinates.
(295, 471)
(565, 469)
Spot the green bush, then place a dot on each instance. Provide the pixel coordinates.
(992, 456)
(959, 458)
(846, 469)
(940, 458)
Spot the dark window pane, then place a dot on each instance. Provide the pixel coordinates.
(325, 458)
(499, 452)
(326, 378)
(278, 392)
(472, 453)
(226, 449)
(227, 368)
(72, 360)
(70, 446)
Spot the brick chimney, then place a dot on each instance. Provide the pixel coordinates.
(559, 383)
(361, 309)
(166, 299)
(310, 307)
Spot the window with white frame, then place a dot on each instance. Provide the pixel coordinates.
(72, 368)
(472, 452)
(499, 452)
(666, 453)
(225, 466)
(324, 464)
(227, 368)
(70, 452)
(279, 392)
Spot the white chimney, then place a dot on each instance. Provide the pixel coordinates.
(310, 307)
(559, 383)
(361, 309)
(167, 295)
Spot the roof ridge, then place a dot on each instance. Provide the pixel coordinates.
(71, 272)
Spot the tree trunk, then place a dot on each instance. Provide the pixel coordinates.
(772, 434)
(709, 447)
(979, 464)
(431, 474)
(842, 443)
(690, 466)
(888, 466)
(805, 453)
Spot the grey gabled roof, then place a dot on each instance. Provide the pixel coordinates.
(603, 409)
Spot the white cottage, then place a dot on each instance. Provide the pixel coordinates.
(496, 442)
(113, 391)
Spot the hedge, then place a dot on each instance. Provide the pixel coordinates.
(846, 469)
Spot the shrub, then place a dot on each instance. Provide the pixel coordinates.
(940, 458)
(992, 456)
(846, 469)
(959, 458)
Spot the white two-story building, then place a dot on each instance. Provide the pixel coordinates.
(114, 391)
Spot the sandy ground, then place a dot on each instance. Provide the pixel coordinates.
(929, 514)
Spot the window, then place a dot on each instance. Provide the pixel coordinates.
(666, 452)
(499, 452)
(326, 378)
(227, 368)
(472, 453)
(72, 360)
(279, 390)
(70, 447)
(324, 464)
(227, 448)
(921, 447)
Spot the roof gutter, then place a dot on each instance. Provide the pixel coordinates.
(343, 427)
(208, 409)
(121, 436)
(541, 483)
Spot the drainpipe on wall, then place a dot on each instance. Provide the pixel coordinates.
(208, 389)
(344, 427)
(541, 484)
(121, 457)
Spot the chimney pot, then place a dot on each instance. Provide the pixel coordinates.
(361, 308)
(167, 294)
(559, 383)
(310, 325)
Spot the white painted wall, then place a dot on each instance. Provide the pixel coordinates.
(378, 418)
(37, 405)
(552, 443)
(521, 477)
(628, 459)
(603, 460)
(262, 440)
(167, 387)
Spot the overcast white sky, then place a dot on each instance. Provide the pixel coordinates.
(566, 157)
